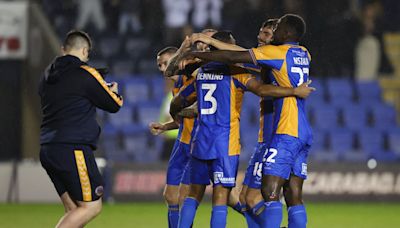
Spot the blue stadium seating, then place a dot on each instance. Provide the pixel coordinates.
(136, 90)
(157, 85)
(384, 116)
(148, 112)
(135, 141)
(326, 117)
(341, 140)
(340, 91)
(123, 117)
(394, 140)
(355, 117)
(368, 92)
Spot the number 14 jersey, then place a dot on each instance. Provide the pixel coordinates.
(290, 65)
(219, 89)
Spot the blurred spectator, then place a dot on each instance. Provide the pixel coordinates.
(130, 16)
(370, 55)
(207, 13)
(176, 19)
(91, 11)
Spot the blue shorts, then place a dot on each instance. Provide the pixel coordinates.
(287, 155)
(253, 174)
(177, 164)
(220, 171)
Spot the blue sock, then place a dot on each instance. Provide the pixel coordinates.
(258, 213)
(173, 216)
(297, 216)
(273, 214)
(251, 222)
(218, 216)
(238, 208)
(188, 212)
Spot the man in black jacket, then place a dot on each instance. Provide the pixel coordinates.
(70, 92)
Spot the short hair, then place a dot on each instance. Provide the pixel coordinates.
(211, 30)
(77, 39)
(168, 50)
(224, 36)
(269, 23)
(296, 24)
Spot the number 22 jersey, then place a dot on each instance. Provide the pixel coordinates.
(290, 65)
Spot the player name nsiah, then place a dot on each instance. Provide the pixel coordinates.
(300, 61)
(209, 76)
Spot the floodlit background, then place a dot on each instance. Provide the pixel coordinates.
(355, 48)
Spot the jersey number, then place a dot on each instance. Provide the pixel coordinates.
(301, 72)
(257, 169)
(209, 97)
(270, 156)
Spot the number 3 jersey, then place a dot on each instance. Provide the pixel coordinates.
(219, 89)
(290, 65)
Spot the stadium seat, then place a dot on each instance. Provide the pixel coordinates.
(326, 117)
(319, 141)
(341, 141)
(371, 140)
(251, 102)
(394, 140)
(136, 90)
(368, 91)
(109, 138)
(384, 116)
(148, 112)
(248, 139)
(124, 116)
(340, 91)
(355, 117)
(135, 141)
(317, 98)
(157, 87)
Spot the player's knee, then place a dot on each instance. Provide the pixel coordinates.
(171, 197)
(253, 199)
(270, 194)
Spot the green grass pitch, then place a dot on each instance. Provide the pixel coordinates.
(320, 215)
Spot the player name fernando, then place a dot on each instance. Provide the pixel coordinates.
(208, 76)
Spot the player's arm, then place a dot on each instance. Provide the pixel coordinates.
(173, 63)
(229, 57)
(189, 112)
(158, 128)
(102, 95)
(185, 98)
(264, 90)
(196, 37)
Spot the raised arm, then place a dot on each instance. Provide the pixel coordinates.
(173, 63)
(196, 37)
(229, 57)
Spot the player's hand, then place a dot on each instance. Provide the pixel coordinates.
(156, 128)
(200, 37)
(304, 90)
(114, 87)
(185, 46)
